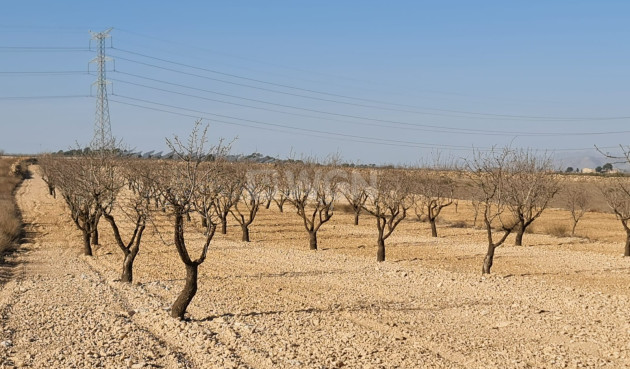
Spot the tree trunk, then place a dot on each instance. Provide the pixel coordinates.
(127, 272)
(245, 229)
(519, 236)
(204, 222)
(281, 206)
(487, 261)
(356, 217)
(627, 249)
(433, 227)
(313, 240)
(380, 253)
(95, 236)
(573, 229)
(185, 297)
(87, 248)
(268, 204)
(224, 225)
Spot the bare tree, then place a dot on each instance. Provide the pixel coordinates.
(618, 194)
(269, 189)
(250, 198)
(231, 185)
(618, 198)
(313, 194)
(388, 201)
(434, 191)
(356, 194)
(487, 171)
(578, 203)
(134, 207)
(181, 185)
(86, 182)
(283, 187)
(530, 185)
(47, 167)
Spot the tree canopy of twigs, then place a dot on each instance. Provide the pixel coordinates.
(388, 202)
(185, 187)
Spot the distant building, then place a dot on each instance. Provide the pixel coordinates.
(588, 170)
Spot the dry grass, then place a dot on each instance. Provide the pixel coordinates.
(10, 225)
(557, 230)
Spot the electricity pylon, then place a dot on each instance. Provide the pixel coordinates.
(103, 140)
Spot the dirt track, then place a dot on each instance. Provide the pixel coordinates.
(272, 303)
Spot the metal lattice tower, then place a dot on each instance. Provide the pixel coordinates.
(103, 139)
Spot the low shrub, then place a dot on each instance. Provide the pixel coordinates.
(459, 224)
(11, 172)
(558, 230)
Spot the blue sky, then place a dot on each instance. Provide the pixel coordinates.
(376, 81)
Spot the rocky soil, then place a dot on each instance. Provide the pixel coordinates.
(271, 303)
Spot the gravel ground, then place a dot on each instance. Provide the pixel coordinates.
(272, 303)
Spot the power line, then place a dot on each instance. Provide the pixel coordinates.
(410, 126)
(263, 128)
(480, 114)
(42, 49)
(276, 125)
(65, 72)
(302, 130)
(293, 94)
(42, 97)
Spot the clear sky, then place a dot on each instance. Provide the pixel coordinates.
(376, 81)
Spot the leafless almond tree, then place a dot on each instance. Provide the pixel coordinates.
(269, 189)
(355, 192)
(252, 182)
(388, 201)
(46, 163)
(617, 196)
(487, 171)
(577, 202)
(135, 206)
(530, 186)
(86, 183)
(313, 194)
(434, 191)
(181, 184)
(231, 185)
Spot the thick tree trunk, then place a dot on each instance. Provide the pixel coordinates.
(380, 253)
(487, 261)
(519, 236)
(185, 297)
(627, 248)
(204, 222)
(268, 204)
(95, 236)
(313, 240)
(127, 272)
(356, 217)
(224, 225)
(433, 227)
(245, 229)
(281, 206)
(87, 248)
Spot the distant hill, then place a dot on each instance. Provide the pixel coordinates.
(587, 161)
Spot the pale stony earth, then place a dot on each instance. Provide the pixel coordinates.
(271, 303)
